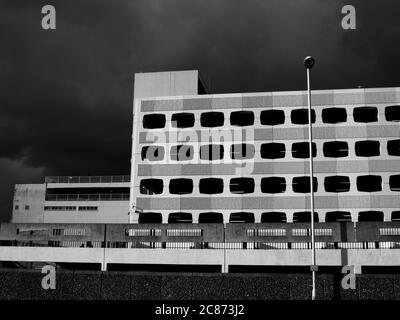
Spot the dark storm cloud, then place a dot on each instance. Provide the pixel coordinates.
(66, 95)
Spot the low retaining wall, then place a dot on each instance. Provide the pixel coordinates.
(26, 285)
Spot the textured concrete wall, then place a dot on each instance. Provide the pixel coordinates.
(107, 212)
(34, 196)
(174, 83)
(28, 203)
(223, 258)
(26, 285)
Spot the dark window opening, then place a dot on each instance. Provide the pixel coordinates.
(367, 148)
(182, 120)
(211, 185)
(154, 121)
(242, 151)
(151, 186)
(150, 217)
(212, 152)
(211, 217)
(272, 117)
(370, 183)
(396, 216)
(337, 184)
(392, 113)
(273, 217)
(241, 185)
(181, 186)
(334, 115)
(394, 182)
(393, 147)
(370, 216)
(94, 193)
(365, 114)
(278, 269)
(157, 268)
(302, 150)
(273, 185)
(302, 184)
(182, 153)
(273, 150)
(380, 269)
(70, 190)
(300, 116)
(244, 217)
(153, 153)
(212, 119)
(338, 216)
(304, 216)
(180, 217)
(242, 118)
(336, 149)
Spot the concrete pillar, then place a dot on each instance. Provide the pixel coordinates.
(164, 217)
(225, 264)
(257, 217)
(224, 268)
(357, 269)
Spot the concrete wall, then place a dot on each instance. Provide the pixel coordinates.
(84, 285)
(169, 83)
(108, 212)
(28, 203)
(224, 258)
(34, 196)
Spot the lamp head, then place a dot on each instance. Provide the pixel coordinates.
(309, 62)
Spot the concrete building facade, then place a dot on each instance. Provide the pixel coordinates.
(97, 199)
(244, 157)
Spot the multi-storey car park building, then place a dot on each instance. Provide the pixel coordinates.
(200, 157)
(200, 160)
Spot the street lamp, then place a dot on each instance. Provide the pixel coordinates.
(308, 64)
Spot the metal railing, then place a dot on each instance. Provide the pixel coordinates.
(87, 179)
(88, 197)
(232, 236)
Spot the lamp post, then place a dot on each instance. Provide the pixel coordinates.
(308, 64)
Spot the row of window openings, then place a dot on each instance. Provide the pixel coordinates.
(70, 208)
(273, 150)
(368, 183)
(62, 208)
(269, 117)
(266, 217)
(16, 207)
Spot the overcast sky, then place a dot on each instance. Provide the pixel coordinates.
(66, 94)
